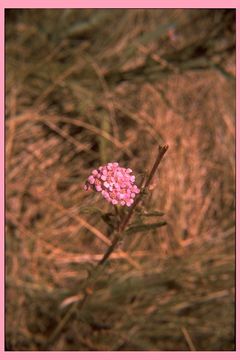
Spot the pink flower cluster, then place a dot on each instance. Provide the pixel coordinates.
(116, 184)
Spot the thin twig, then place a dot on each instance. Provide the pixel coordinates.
(188, 339)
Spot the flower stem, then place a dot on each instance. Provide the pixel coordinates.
(116, 238)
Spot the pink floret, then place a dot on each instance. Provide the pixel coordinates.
(91, 180)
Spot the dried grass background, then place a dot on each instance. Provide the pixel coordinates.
(84, 87)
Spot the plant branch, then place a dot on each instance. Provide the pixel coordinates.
(161, 151)
(88, 289)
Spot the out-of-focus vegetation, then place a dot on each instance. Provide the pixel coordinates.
(84, 87)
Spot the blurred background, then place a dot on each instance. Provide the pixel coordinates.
(84, 87)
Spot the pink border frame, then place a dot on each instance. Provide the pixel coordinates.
(111, 4)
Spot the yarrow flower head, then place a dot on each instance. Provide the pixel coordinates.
(116, 184)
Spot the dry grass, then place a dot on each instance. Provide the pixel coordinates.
(79, 94)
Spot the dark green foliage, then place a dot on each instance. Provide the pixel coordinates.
(144, 227)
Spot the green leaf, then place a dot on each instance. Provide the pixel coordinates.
(109, 219)
(153, 213)
(90, 210)
(144, 227)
